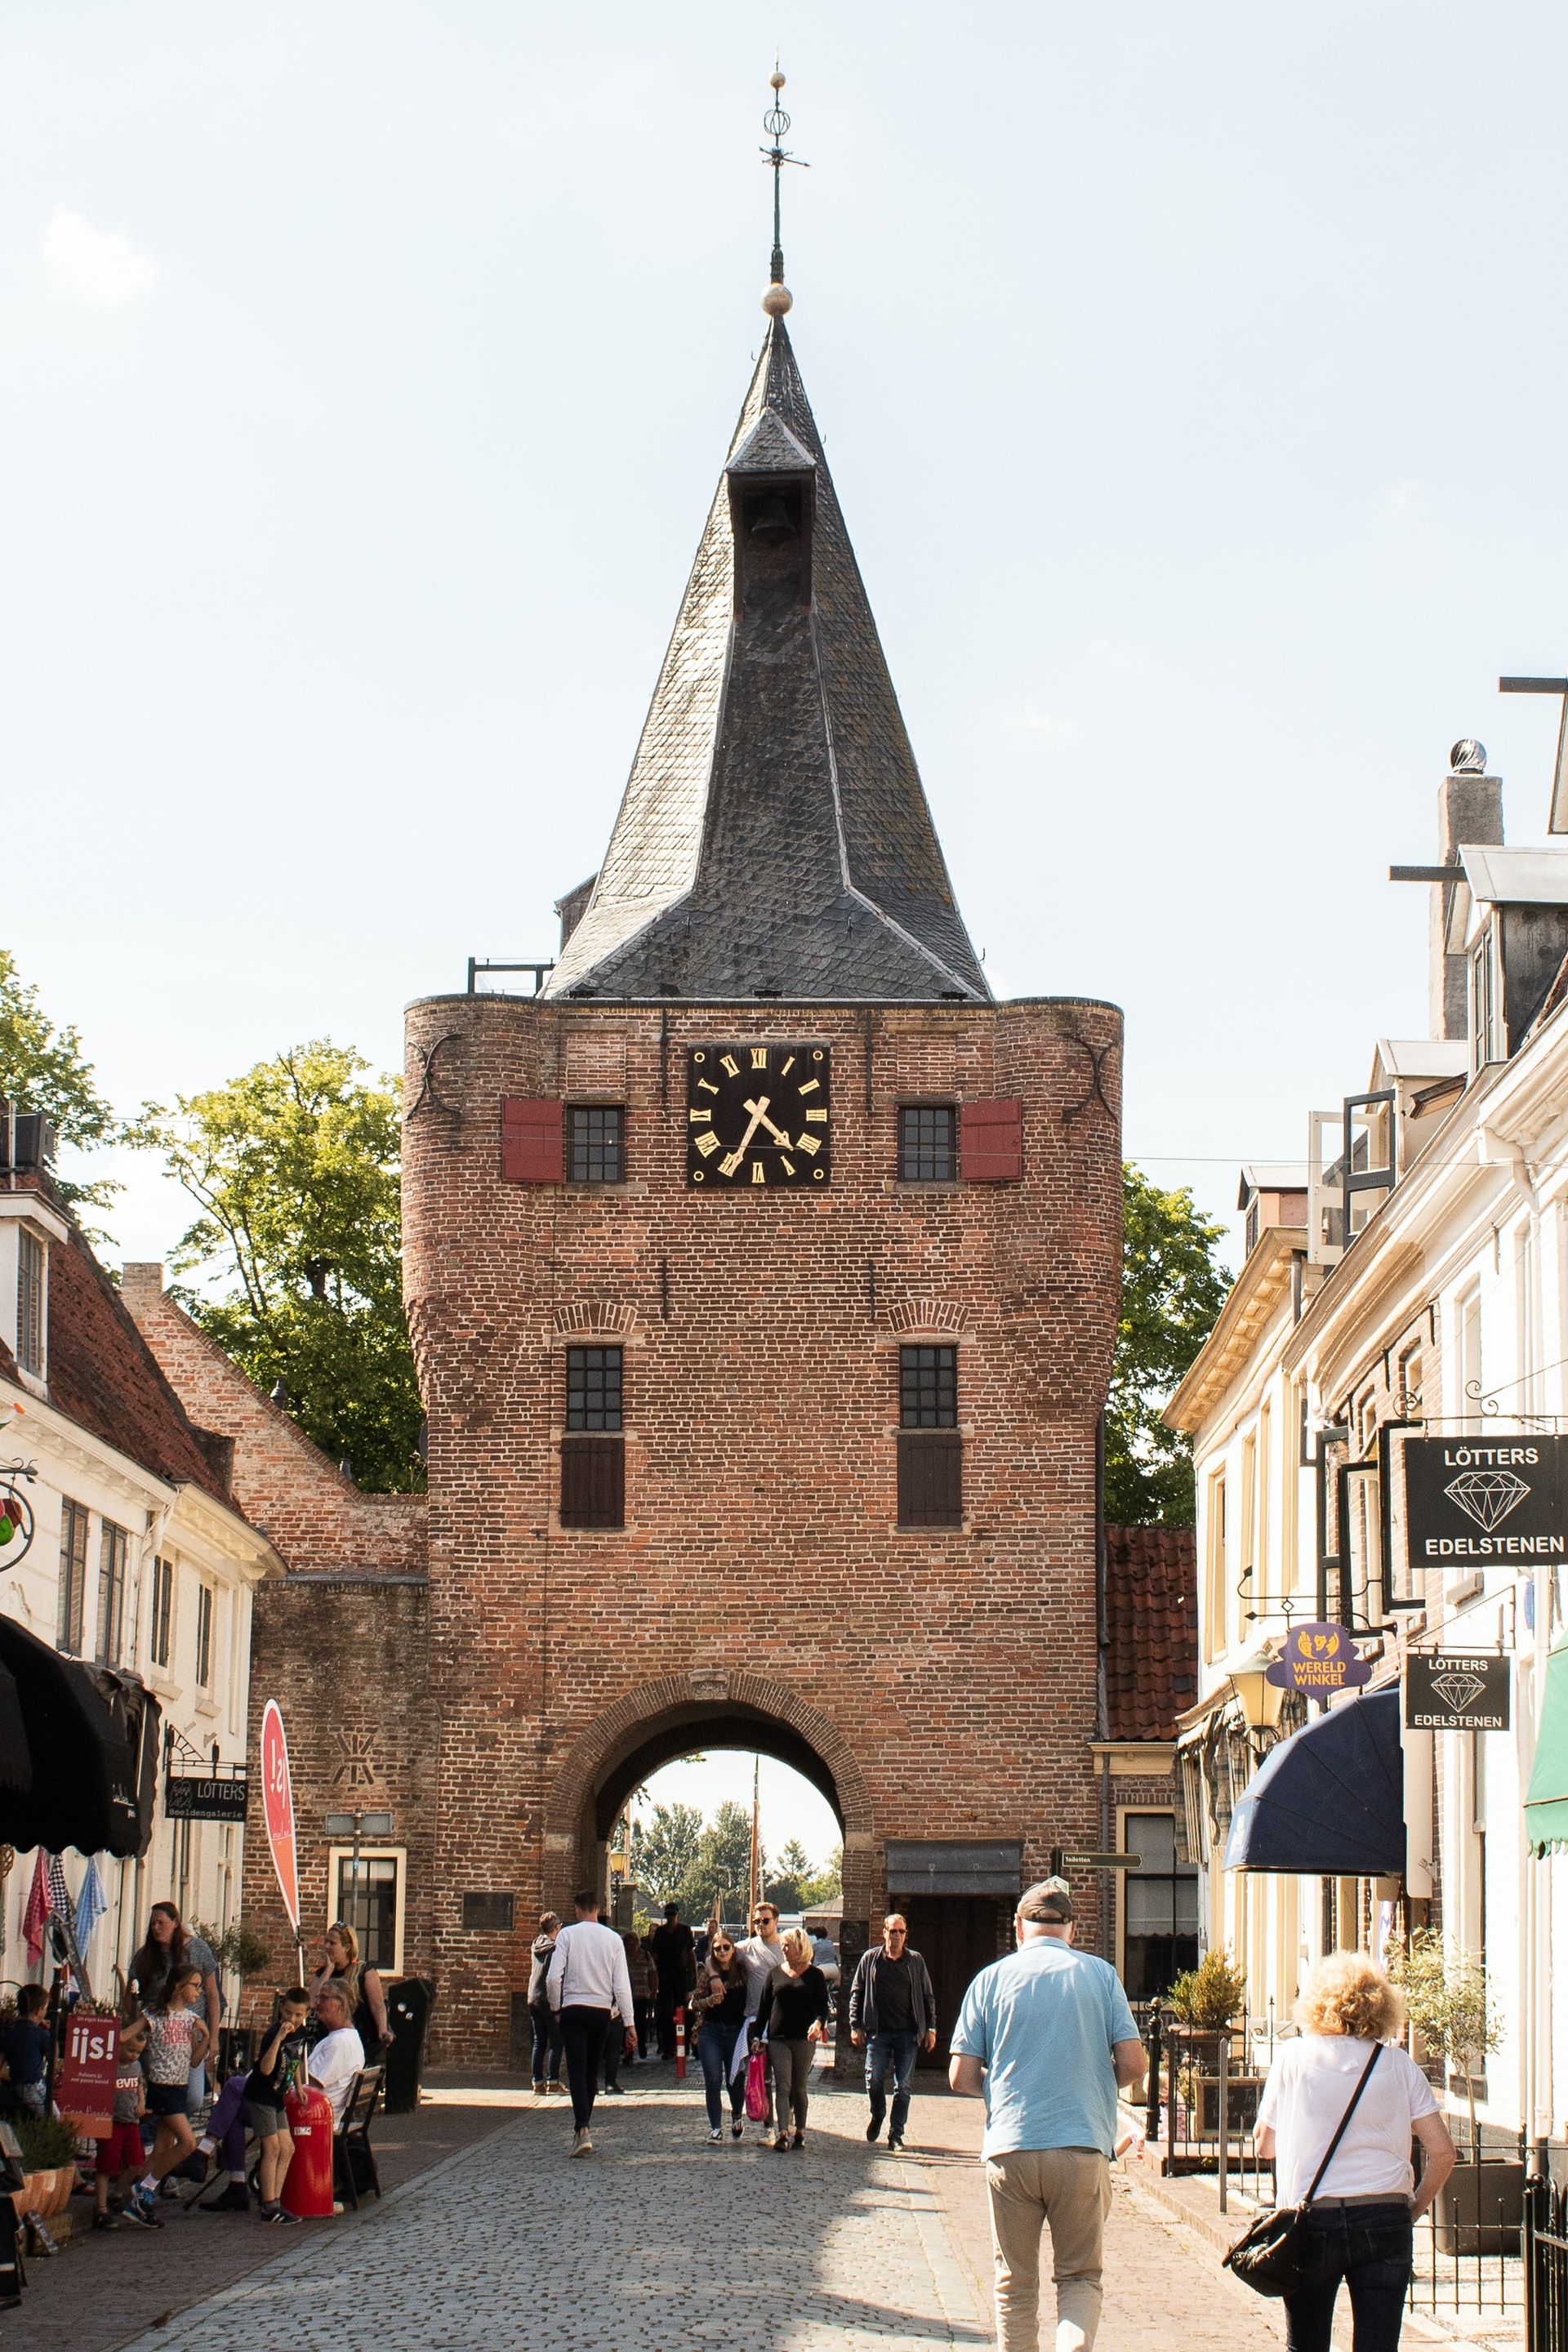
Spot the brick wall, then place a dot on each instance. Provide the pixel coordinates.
(942, 1682)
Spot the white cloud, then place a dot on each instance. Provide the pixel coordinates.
(1404, 501)
(1028, 718)
(97, 264)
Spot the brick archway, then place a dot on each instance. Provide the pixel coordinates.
(658, 1721)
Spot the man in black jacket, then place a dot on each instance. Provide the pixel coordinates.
(675, 1960)
(892, 2014)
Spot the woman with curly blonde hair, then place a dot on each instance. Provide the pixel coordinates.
(1360, 2221)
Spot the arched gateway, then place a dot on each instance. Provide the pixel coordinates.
(762, 1273)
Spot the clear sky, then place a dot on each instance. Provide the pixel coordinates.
(787, 1805)
(1192, 381)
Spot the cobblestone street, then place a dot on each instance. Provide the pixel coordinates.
(659, 2240)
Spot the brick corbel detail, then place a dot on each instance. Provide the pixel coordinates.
(943, 1314)
(595, 1315)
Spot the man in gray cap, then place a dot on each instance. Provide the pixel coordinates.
(1046, 2039)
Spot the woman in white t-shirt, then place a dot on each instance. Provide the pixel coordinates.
(1361, 2217)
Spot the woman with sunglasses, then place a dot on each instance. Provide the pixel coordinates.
(720, 2001)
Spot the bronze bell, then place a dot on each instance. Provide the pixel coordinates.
(773, 522)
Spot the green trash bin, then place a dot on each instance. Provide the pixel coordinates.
(408, 2005)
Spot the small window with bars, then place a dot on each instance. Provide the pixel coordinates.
(73, 1577)
(160, 1630)
(930, 1446)
(112, 1546)
(30, 1264)
(595, 1143)
(204, 1636)
(928, 1143)
(593, 1455)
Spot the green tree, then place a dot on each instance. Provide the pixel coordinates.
(664, 1849)
(721, 1865)
(821, 1886)
(1172, 1286)
(788, 1876)
(295, 1170)
(42, 1067)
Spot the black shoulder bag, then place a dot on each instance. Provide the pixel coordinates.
(1271, 2256)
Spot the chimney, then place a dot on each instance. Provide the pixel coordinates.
(141, 1286)
(1470, 814)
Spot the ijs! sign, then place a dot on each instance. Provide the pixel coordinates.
(1318, 1660)
(1482, 1498)
(277, 1805)
(84, 2079)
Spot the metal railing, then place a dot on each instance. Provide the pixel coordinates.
(1545, 2265)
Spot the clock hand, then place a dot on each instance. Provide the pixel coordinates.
(758, 1110)
(732, 1160)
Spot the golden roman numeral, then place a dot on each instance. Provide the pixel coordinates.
(728, 1062)
(759, 1174)
(759, 1057)
(706, 1087)
(730, 1161)
(703, 1113)
(788, 1165)
(811, 1086)
(787, 1068)
(708, 1144)
(808, 1143)
(818, 1118)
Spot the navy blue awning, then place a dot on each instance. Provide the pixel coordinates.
(1330, 1799)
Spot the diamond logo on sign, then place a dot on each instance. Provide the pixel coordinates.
(1488, 1496)
(1458, 1690)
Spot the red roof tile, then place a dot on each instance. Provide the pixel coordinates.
(1151, 1611)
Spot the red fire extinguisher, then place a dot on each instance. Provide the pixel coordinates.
(308, 2186)
(680, 2043)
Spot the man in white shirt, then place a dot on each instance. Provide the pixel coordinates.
(588, 1978)
(759, 1954)
(339, 2055)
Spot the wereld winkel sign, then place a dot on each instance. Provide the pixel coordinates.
(1485, 1498)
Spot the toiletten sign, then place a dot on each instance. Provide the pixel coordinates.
(1469, 1500)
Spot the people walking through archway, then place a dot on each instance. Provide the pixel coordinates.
(720, 2001)
(547, 2058)
(670, 1947)
(792, 2017)
(585, 1982)
(760, 1953)
(892, 2015)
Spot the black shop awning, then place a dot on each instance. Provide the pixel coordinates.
(78, 1750)
(1330, 1799)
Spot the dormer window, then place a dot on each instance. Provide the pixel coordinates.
(1488, 1043)
(30, 1227)
(31, 1264)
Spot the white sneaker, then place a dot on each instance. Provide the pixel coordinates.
(716, 2138)
(580, 2144)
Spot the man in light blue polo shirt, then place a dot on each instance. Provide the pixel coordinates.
(1047, 2038)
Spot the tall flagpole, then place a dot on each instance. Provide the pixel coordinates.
(753, 1887)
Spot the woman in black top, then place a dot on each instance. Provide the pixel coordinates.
(793, 2015)
(719, 2000)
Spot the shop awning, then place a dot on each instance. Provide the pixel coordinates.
(1328, 1799)
(1546, 1798)
(78, 1750)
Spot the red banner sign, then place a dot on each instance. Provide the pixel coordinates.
(84, 2079)
(277, 1801)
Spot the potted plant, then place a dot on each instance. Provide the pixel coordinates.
(48, 2159)
(1481, 2205)
(1206, 2001)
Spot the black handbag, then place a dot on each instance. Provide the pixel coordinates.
(1271, 2256)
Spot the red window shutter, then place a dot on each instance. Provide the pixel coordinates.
(531, 1147)
(990, 1142)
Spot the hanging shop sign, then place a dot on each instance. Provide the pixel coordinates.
(1481, 1498)
(1456, 1690)
(1318, 1660)
(191, 1797)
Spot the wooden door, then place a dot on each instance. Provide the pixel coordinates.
(956, 1936)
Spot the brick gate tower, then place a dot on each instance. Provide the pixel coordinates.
(762, 1275)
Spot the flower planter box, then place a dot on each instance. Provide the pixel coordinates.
(1481, 2207)
(45, 2193)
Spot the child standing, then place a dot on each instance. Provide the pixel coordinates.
(176, 2040)
(277, 2070)
(25, 2047)
(120, 2156)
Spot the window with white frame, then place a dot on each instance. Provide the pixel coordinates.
(31, 1262)
(1488, 1043)
(204, 1636)
(1159, 1908)
(368, 1895)
(1468, 1368)
(113, 1543)
(72, 1608)
(1214, 1611)
(160, 1631)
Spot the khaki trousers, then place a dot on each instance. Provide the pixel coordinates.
(1067, 2190)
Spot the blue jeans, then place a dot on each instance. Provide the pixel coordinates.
(891, 2053)
(716, 2048)
(1368, 2246)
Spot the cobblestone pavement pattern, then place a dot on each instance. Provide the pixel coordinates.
(660, 2241)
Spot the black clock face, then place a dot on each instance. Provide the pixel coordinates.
(758, 1115)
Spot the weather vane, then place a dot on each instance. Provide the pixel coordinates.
(775, 122)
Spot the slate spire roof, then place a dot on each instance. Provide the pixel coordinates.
(774, 839)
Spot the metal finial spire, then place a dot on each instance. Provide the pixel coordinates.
(775, 122)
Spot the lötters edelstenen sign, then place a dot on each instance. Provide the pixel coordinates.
(1484, 1498)
(1456, 1690)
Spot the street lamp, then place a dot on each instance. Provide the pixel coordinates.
(1259, 1699)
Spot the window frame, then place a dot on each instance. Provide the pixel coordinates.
(1180, 1873)
(71, 1600)
(113, 1557)
(206, 1609)
(32, 1292)
(930, 1488)
(588, 1144)
(160, 1615)
(577, 1358)
(912, 1148)
(944, 1384)
(337, 1854)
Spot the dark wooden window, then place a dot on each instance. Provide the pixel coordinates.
(931, 1447)
(30, 1264)
(991, 1141)
(533, 1146)
(112, 1546)
(595, 1143)
(928, 1143)
(594, 1388)
(204, 1636)
(73, 1576)
(593, 1456)
(162, 1614)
